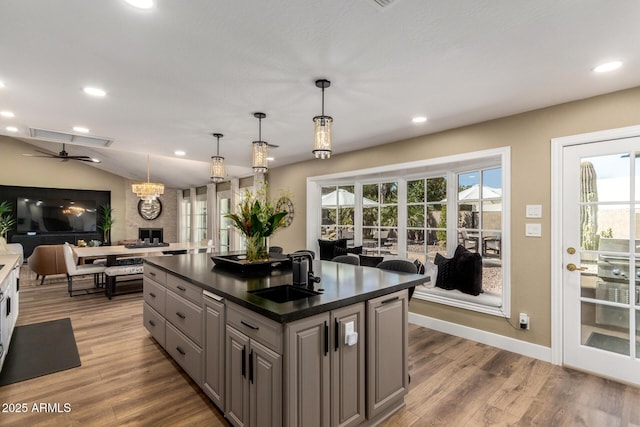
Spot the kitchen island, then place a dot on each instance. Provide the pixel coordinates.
(337, 357)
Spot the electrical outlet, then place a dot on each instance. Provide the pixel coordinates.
(524, 321)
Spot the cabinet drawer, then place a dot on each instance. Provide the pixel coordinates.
(154, 323)
(154, 294)
(155, 273)
(185, 352)
(184, 289)
(184, 315)
(255, 326)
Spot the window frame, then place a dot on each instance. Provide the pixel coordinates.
(448, 166)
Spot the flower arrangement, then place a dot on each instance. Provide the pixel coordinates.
(257, 218)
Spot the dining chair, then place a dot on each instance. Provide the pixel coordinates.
(346, 259)
(73, 269)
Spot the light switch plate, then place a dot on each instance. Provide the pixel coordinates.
(533, 230)
(534, 211)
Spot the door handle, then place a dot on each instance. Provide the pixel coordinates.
(572, 267)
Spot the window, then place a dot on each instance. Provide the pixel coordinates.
(380, 218)
(185, 216)
(418, 209)
(200, 225)
(338, 206)
(426, 218)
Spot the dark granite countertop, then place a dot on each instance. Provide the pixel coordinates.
(342, 284)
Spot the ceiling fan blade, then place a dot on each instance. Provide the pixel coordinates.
(46, 153)
(77, 157)
(49, 156)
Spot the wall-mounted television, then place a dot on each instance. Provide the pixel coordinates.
(55, 215)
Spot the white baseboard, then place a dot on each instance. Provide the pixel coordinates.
(489, 338)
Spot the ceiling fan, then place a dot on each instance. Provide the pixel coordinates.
(64, 156)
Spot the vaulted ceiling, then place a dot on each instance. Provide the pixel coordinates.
(177, 73)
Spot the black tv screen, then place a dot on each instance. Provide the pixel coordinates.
(55, 215)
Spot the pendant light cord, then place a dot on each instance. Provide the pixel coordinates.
(148, 173)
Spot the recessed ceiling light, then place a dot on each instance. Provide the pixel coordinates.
(141, 4)
(12, 129)
(608, 66)
(95, 160)
(80, 129)
(419, 119)
(94, 91)
(270, 159)
(2, 84)
(6, 114)
(179, 153)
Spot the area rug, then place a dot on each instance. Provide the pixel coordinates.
(40, 349)
(609, 343)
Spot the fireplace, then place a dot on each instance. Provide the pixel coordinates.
(151, 234)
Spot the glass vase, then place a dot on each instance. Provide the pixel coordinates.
(257, 248)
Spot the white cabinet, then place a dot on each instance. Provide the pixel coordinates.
(9, 306)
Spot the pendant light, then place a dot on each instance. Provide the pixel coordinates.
(260, 149)
(217, 162)
(148, 191)
(322, 128)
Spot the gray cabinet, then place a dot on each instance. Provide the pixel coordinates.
(254, 369)
(214, 345)
(325, 375)
(175, 319)
(387, 347)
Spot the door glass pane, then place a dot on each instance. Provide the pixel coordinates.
(328, 216)
(492, 215)
(469, 215)
(389, 215)
(611, 229)
(605, 327)
(415, 243)
(610, 174)
(492, 183)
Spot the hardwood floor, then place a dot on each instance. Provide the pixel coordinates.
(125, 378)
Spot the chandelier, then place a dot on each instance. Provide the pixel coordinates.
(148, 191)
(217, 162)
(322, 128)
(260, 149)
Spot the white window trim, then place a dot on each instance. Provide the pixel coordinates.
(405, 171)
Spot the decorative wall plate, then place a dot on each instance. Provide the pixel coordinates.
(285, 204)
(150, 210)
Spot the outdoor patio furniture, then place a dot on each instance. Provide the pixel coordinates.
(491, 245)
(469, 240)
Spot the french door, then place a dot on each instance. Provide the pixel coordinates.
(601, 257)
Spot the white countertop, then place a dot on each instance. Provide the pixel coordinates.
(9, 260)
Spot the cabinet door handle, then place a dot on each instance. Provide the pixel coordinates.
(326, 338)
(152, 295)
(251, 366)
(337, 335)
(390, 300)
(249, 325)
(151, 273)
(180, 315)
(181, 288)
(244, 361)
(181, 351)
(8, 306)
(152, 323)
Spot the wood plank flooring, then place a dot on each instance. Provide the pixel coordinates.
(127, 379)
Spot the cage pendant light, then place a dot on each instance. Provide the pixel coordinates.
(322, 128)
(260, 150)
(217, 162)
(148, 191)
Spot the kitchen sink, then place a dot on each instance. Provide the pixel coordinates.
(284, 293)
